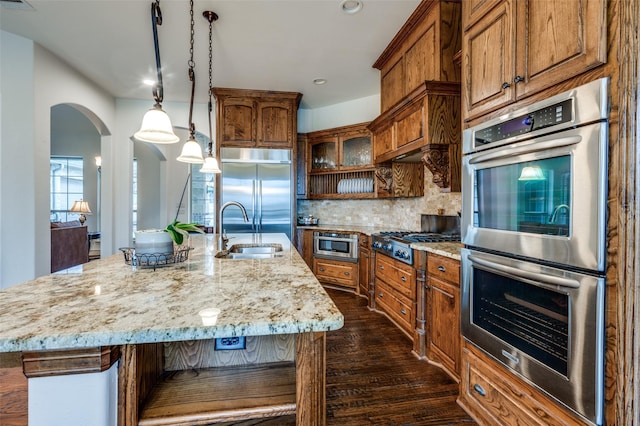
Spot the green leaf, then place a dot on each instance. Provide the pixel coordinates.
(178, 231)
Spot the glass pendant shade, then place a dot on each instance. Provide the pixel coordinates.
(531, 173)
(210, 165)
(156, 127)
(191, 152)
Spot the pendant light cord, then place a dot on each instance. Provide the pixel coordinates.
(210, 16)
(156, 19)
(192, 76)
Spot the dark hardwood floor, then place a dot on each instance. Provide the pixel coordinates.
(373, 379)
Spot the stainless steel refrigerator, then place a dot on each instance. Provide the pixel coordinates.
(261, 180)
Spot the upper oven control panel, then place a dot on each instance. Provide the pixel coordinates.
(574, 108)
(546, 117)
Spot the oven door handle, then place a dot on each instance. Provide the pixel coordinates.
(533, 146)
(542, 278)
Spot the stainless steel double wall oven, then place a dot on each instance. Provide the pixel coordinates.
(534, 230)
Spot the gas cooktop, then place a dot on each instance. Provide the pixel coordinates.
(421, 237)
(396, 243)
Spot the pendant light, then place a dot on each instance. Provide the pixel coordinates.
(191, 151)
(156, 126)
(210, 162)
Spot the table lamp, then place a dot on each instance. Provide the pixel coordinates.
(81, 207)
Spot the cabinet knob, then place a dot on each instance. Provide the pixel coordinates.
(506, 85)
(479, 389)
(321, 269)
(346, 273)
(403, 311)
(380, 295)
(381, 267)
(403, 278)
(442, 268)
(518, 79)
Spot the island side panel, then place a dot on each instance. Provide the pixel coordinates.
(13, 390)
(311, 369)
(139, 369)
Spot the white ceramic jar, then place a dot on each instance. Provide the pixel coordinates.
(153, 241)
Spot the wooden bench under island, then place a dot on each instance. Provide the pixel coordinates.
(112, 343)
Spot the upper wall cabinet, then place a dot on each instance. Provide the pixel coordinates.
(255, 118)
(423, 50)
(514, 48)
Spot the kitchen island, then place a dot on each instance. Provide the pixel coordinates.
(154, 322)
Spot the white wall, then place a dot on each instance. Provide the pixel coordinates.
(17, 198)
(342, 114)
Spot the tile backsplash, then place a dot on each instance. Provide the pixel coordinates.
(396, 213)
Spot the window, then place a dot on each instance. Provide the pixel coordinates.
(66, 180)
(134, 219)
(203, 197)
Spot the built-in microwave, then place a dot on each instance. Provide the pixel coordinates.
(330, 245)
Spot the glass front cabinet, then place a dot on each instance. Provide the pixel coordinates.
(340, 163)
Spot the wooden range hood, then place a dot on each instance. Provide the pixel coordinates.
(424, 125)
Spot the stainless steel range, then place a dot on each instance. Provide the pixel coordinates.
(396, 244)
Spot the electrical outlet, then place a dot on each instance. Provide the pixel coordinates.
(230, 343)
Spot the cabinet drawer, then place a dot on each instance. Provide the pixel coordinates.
(491, 393)
(398, 275)
(336, 272)
(443, 268)
(396, 306)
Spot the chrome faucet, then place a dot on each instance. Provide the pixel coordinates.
(554, 215)
(222, 239)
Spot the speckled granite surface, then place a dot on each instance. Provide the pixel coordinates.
(451, 250)
(107, 302)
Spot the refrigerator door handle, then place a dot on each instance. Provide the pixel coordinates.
(260, 204)
(254, 198)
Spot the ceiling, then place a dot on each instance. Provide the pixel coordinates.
(257, 44)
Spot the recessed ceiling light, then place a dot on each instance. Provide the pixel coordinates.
(149, 82)
(351, 6)
(319, 81)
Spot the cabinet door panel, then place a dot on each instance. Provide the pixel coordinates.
(488, 61)
(392, 85)
(238, 122)
(421, 60)
(274, 120)
(559, 39)
(444, 337)
(410, 127)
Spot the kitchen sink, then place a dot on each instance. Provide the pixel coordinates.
(251, 251)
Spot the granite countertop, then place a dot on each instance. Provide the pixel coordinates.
(107, 302)
(451, 250)
(448, 249)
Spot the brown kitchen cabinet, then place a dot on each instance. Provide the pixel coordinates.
(301, 167)
(422, 50)
(336, 272)
(256, 118)
(514, 48)
(364, 265)
(339, 162)
(304, 245)
(443, 313)
(494, 396)
(395, 292)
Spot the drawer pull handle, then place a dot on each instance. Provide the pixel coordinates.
(479, 389)
(506, 85)
(442, 268)
(403, 311)
(403, 278)
(321, 269)
(346, 273)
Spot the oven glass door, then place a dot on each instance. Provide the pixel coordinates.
(326, 245)
(543, 198)
(529, 196)
(544, 323)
